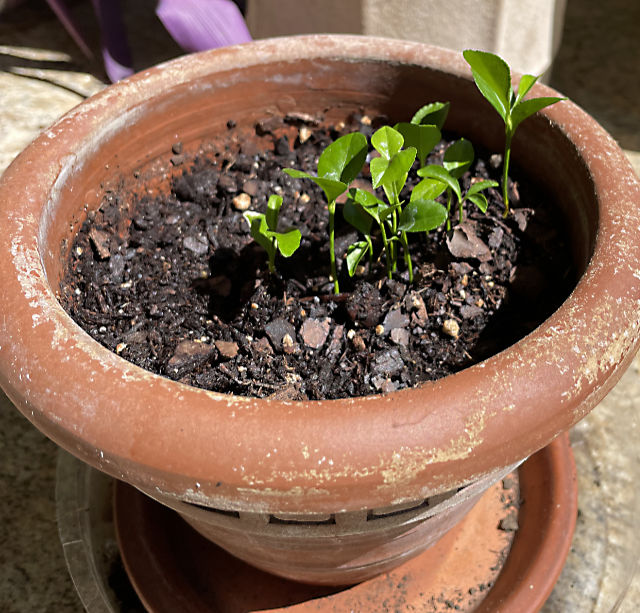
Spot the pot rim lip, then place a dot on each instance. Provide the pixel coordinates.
(595, 348)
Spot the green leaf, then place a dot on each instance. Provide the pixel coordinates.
(395, 173)
(343, 159)
(355, 253)
(423, 138)
(387, 141)
(458, 157)
(493, 78)
(297, 174)
(422, 216)
(370, 204)
(480, 186)
(428, 189)
(438, 172)
(288, 242)
(527, 81)
(259, 231)
(273, 209)
(434, 114)
(526, 108)
(378, 167)
(385, 211)
(331, 188)
(357, 216)
(480, 200)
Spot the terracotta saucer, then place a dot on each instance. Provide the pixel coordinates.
(481, 565)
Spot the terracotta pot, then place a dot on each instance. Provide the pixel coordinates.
(272, 458)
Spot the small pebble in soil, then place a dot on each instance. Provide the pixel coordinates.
(451, 328)
(314, 332)
(242, 202)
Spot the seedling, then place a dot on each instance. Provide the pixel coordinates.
(264, 230)
(390, 171)
(457, 159)
(493, 78)
(338, 165)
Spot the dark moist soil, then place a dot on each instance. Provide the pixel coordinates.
(175, 284)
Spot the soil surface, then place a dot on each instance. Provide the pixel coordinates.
(175, 284)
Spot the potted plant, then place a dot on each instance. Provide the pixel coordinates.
(250, 472)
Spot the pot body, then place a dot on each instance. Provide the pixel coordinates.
(334, 548)
(269, 458)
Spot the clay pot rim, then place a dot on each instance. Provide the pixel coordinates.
(406, 446)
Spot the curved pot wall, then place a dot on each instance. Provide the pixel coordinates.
(264, 456)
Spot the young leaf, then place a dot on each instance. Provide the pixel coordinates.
(387, 141)
(526, 108)
(493, 78)
(331, 188)
(288, 242)
(357, 216)
(423, 138)
(458, 157)
(355, 253)
(428, 189)
(422, 216)
(438, 172)
(480, 200)
(480, 186)
(434, 114)
(395, 173)
(369, 203)
(273, 209)
(527, 81)
(343, 159)
(259, 230)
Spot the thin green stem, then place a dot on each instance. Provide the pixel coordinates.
(505, 171)
(387, 249)
(407, 255)
(332, 250)
(449, 199)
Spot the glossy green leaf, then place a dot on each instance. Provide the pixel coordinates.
(297, 174)
(423, 138)
(273, 210)
(493, 78)
(422, 216)
(394, 173)
(357, 216)
(458, 157)
(428, 189)
(355, 253)
(434, 113)
(480, 200)
(331, 188)
(526, 108)
(377, 167)
(343, 159)
(480, 186)
(370, 204)
(527, 81)
(438, 172)
(288, 242)
(387, 141)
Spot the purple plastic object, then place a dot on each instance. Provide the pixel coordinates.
(197, 25)
(115, 48)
